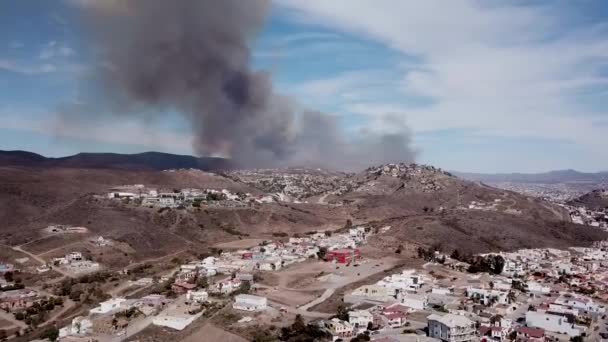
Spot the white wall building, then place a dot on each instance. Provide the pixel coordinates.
(553, 323)
(538, 287)
(197, 296)
(414, 301)
(79, 326)
(360, 318)
(451, 328)
(488, 297)
(250, 303)
(108, 306)
(175, 322)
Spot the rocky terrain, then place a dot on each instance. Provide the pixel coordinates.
(295, 183)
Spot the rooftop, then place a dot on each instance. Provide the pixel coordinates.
(451, 320)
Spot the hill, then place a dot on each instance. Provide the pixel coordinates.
(594, 200)
(33, 198)
(423, 205)
(140, 161)
(428, 206)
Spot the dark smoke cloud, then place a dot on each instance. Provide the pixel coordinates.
(193, 56)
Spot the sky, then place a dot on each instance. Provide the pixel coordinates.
(501, 86)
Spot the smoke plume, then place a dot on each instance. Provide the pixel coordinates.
(193, 56)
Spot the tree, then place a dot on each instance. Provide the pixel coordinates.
(298, 324)
(349, 224)
(51, 333)
(342, 312)
(499, 264)
(202, 282)
(455, 255)
(322, 252)
(361, 337)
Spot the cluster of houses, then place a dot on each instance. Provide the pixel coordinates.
(114, 315)
(594, 218)
(18, 299)
(239, 266)
(481, 205)
(186, 197)
(76, 263)
(540, 294)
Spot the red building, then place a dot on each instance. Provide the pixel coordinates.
(343, 256)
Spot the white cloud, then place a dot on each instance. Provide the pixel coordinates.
(16, 67)
(54, 50)
(503, 70)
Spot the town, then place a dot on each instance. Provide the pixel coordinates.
(525, 295)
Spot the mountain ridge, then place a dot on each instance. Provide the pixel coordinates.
(91, 160)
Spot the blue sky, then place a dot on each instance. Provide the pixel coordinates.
(481, 86)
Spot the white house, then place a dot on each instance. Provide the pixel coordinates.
(451, 328)
(360, 318)
(550, 322)
(538, 287)
(197, 296)
(407, 280)
(581, 303)
(488, 297)
(512, 267)
(175, 322)
(414, 301)
(250, 303)
(108, 306)
(79, 326)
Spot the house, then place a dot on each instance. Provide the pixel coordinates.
(79, 326)
(497, 333)
(74, 256)
(182, 288)
(552, 322)
(360, 318)
(108, 306)
(153, 300)
(197, 296)
(530, 334)
(451, 328)
(226, 286)
(338, 328)
(407, 280)
(487, 297)
(372, 292)
(536, 287)
(174, 322)
(343, 256)
(393, 319)
(412, 300)
(250, 303)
